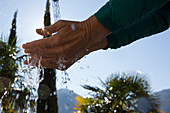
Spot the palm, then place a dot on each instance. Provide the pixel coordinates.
(120, 94)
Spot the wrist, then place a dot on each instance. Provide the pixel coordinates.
(102, 44)
(96, 31)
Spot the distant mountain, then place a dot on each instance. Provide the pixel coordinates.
(164, 96)
(66, 100)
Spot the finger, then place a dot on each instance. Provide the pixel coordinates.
(53, 40)
(42, 43)
(34, 51)
(56, 51)
(52, 29)
(46, 52)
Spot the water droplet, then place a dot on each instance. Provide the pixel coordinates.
(55, 93)
(81, 68)
(27, 96)
(17, 96)
(72, 27)
(12, 85)
(63, 66)
(46, 106)
(67, 106)
(51, 94)
(71, 92)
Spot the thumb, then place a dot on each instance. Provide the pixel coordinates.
(52, 28)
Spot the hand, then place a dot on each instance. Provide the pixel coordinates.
(62, 63)
(68, 45)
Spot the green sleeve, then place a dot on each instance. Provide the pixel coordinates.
(152, 23)
(130, 20)
(116, 14)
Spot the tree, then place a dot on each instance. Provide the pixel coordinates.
(8, 65)
(12, 37)
(47, 102)
(121, 93)
(8, 53)
(14, 94)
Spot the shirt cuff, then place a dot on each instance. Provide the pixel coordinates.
(104, 16)
(112, 41)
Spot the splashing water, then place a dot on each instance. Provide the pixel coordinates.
(39, 70)
(56, 10)
(33, 82)
(66, 78)
(1, 108)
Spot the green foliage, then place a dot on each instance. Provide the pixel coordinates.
(17, 100)
(120, 93)
(14, 93)
(12, 37)
(8, 65)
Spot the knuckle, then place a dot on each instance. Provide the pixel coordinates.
(59, 22)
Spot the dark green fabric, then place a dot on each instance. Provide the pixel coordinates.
(130, 20)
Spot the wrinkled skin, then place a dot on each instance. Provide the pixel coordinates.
(72, 41)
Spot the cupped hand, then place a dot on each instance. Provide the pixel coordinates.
(72, 41)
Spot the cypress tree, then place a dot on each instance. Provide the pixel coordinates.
(47, 102)
(12, 36)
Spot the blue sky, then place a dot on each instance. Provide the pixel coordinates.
(150, 56)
